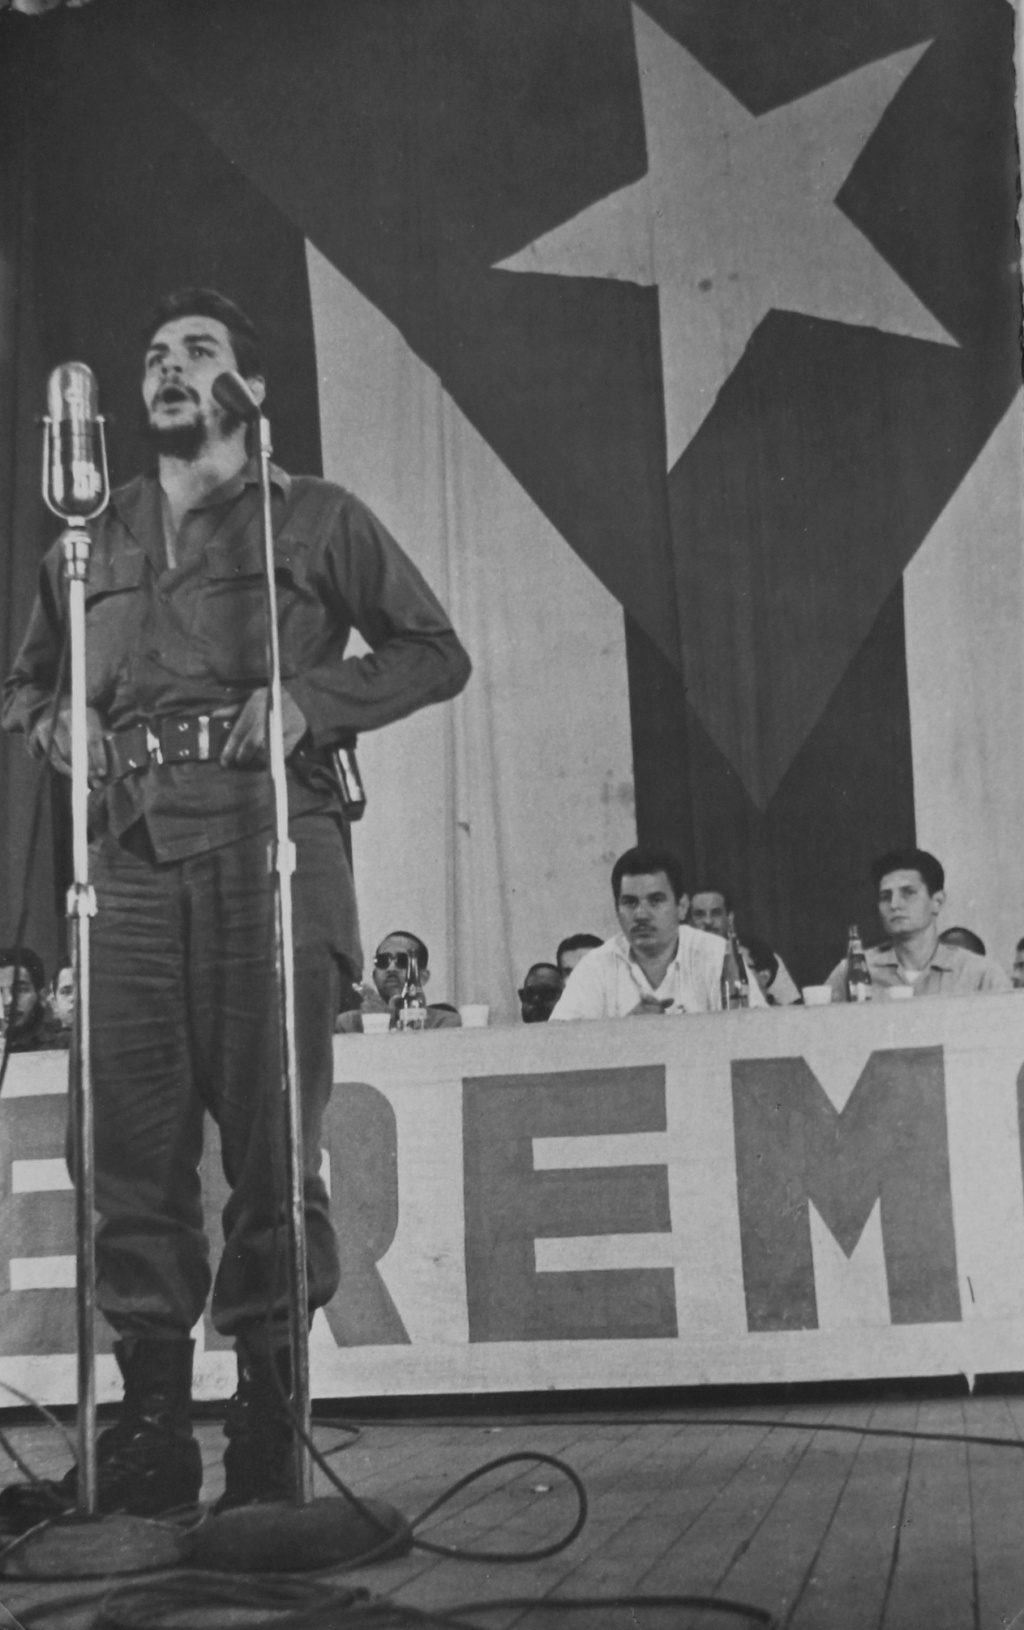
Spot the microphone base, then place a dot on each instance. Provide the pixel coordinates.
(77, 1547)
(283, 1538)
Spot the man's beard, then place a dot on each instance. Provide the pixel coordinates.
(186, 441)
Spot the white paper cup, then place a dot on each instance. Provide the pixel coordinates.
(474, 1015)
(376, 1024)
(900, 993)
(817, 995)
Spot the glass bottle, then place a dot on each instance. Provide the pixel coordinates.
(858, 975)
(411, 1011)
(735, 983)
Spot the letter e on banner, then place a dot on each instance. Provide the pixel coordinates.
(509, 1205)
(887, 1145)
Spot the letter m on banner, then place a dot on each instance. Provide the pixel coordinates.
(887, 1146)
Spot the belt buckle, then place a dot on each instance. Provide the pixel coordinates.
(203, 737)
(153, 747)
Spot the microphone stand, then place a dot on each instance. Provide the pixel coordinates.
(77, 501)
(81, 907)
(96, 1545)
(282, 867)
(308, 1532)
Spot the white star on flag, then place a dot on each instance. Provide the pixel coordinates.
(736, 216)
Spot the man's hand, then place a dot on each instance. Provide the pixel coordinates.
(248, 738)
(57, 748)
(649, 1007)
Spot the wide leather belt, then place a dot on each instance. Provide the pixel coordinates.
(177, 739)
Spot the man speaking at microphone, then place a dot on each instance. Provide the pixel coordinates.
(184, 999)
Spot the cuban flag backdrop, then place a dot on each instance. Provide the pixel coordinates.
(676, 341)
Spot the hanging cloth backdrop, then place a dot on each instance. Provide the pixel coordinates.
(676, 342)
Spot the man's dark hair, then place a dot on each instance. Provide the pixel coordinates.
(422, 954)
(762, 957)
(197, 302)
(713, 888)
(910, 860)
(966, 938)
(643, 862)
(575, 942)
(27, 959)
(546, 967)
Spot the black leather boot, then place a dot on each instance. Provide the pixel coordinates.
(259, 1461)
(147, 1461)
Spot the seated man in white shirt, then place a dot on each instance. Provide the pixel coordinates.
(657, 964)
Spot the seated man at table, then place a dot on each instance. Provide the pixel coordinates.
(24, 1002)
(572, 950)
(60, 1007)
(711, 910)
(966, 938)
(657, 964)
(390, 966)
(540, 991)
(911, 894)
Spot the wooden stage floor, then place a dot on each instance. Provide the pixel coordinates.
(768, 1505)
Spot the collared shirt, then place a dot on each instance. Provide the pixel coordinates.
(608, 983)
(952, 971)
(190, 639)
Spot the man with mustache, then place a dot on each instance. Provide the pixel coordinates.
(657, 964)
(184, 1008)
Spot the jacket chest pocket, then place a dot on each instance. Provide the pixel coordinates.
(115, 613)
(231, 611)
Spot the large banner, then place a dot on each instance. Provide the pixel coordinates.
(778, 1196)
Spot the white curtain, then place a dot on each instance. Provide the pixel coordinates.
(493, 822)
(964, 610)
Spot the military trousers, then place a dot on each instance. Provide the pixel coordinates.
(185, 1020)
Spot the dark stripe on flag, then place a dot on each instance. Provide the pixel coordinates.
(799, 869)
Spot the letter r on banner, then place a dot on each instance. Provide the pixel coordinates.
(509, 1206)
(888, 1144)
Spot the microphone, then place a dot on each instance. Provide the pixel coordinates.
(76, 485)
(231, 392)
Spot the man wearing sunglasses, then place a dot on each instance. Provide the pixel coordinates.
(542, 987)
(390, 967)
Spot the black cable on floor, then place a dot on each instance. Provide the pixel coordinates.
(287, 1603)
(828, 1426)
(714, 1420)
(560, 1604)
(462, 1555)
(327, 1425)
